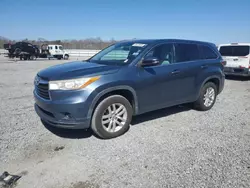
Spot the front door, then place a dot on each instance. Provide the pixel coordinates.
(156, 86)
(170, 83)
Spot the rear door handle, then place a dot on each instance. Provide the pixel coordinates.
(175, 72)
(204, 66)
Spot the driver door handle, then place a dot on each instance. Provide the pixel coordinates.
(175, 72)
(204, 66)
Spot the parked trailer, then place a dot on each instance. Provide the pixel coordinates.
(22, 50)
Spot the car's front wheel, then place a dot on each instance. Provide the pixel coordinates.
(207, 97)
(112, 117)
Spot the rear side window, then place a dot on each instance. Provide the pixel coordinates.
(186, 52)
(234, 50)
(207, 52)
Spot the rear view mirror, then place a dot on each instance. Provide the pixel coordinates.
(150, 61)
(126, 48)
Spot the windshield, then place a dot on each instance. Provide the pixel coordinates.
(60, 47)
(234, 50)
(121, 53)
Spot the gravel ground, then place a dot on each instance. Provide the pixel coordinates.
(174, 147)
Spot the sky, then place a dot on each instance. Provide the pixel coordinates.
(218, 21)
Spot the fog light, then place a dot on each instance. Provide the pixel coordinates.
(67, 116)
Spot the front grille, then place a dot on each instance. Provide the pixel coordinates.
(42, 90)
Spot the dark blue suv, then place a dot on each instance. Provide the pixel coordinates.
(126, 79)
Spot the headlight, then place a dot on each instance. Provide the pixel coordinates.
(72, 84)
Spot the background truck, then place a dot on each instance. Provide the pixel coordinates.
(25, 51)
(53, 51)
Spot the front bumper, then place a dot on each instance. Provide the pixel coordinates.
(70, 114)
(237, 71)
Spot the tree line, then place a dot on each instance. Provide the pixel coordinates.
(89, 43)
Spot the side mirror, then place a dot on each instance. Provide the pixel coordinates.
(150, 61)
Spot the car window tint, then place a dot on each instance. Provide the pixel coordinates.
(186, 52)
(56, 47)
(207, 53)
(234, 50)
(163, 52)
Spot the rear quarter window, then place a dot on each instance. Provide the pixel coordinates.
(186, 52)
(234, 50)
(207, 52)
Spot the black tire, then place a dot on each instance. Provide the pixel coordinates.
(66, 57)
(200, 103)
(96, 124)
(32, 57)
(17, 51)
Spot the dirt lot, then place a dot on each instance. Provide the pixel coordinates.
(174, 147)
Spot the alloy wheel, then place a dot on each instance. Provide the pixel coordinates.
(114, 117)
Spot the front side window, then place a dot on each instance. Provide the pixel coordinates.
(60, 47)
(56, 47)
(234, 50)
(163, 52)
(186, 52)
(120, 53)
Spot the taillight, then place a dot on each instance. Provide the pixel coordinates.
(223, 63)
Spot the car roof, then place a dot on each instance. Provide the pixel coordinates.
(235, 44)
(156, 41)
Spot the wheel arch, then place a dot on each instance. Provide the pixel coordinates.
(214, 79)
(125, 91)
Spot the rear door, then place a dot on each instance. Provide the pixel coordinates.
(237, 56)
(187, 61)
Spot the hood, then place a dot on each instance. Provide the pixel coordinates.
(75, 70)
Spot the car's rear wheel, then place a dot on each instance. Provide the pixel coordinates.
(112, 117)
(207, 97)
